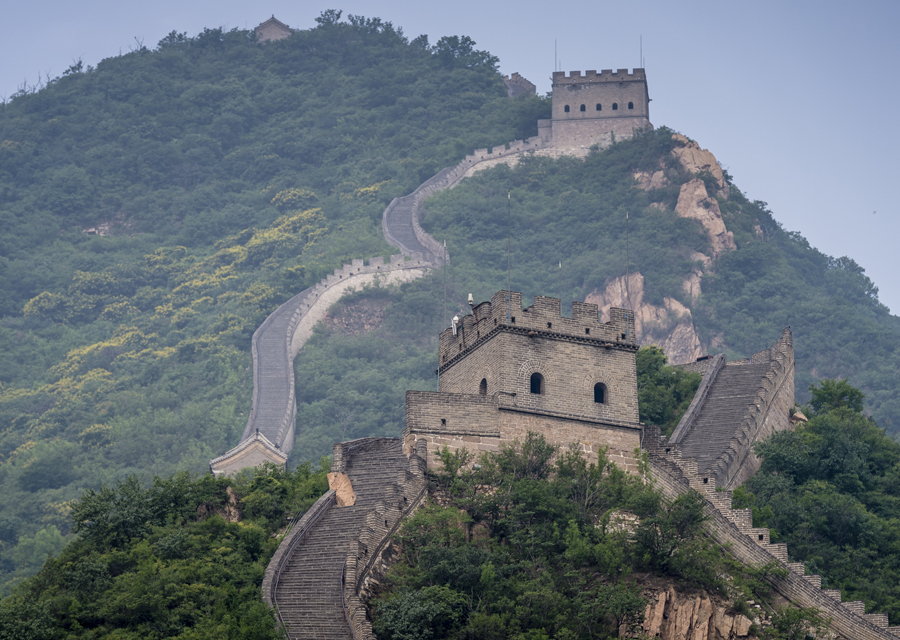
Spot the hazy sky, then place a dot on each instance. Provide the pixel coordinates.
(796, 99)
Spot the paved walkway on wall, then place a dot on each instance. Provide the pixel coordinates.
(310, 588)
(733, 391)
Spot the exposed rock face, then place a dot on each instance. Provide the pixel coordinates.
(691, 284)
(694, 202)
(670, 326)
(697, 160)
(648, 181)
(671, 616)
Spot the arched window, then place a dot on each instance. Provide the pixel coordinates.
(631, 105)
(600, 393)
(599, 107)
(482, 388)
(583, 108)
(567, 108)
(615, 106)
(537, 384)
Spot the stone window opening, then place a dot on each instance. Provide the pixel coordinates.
(599, 107)
(443, 422)
(549, 325)
(705, 480)
(615, 106)
(482, 388)
(760, 537)
(631, 105)
(537, 384)
(583, 108)
(513, 319)
(587, 331)
(600, 393)
(567, 108)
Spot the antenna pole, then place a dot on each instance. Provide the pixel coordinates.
(642, 50)
(555, 63)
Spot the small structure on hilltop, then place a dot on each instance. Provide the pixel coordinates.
(272, 29)
(505, 371)
(517, 86)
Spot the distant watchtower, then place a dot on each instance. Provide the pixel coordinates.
(588, 109)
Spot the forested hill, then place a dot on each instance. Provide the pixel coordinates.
(226, 176)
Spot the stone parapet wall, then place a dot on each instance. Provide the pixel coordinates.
(382, 522)
(485, 423)
(293, 537)
(769, 413)
(733, 530)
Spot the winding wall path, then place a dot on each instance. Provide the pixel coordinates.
(270, 429)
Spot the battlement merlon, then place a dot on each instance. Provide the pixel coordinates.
(505, 313)
(606, 75)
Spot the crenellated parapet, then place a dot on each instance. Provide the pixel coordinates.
(733, 529)
(737, 404)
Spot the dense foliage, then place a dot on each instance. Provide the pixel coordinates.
(226, 176)
(664, 392)
(182, 558)
(536, 543)
(831, 490)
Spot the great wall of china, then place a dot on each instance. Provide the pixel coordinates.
(317, 579)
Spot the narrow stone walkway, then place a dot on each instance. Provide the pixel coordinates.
(308, 595)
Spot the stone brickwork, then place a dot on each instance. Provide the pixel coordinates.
(733, 530)
(484, 423)
(737, 404)
(586, 393)
(517, 85)
(501, 345)
(316, 575)
(590, 108)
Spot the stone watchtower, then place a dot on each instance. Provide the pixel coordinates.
(506, 370)
(589, 109)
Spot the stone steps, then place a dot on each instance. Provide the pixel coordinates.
(309, 592)
(743, 520)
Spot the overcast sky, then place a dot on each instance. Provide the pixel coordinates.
(797, 100)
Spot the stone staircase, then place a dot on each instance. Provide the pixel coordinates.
(676, 474)
(306, 578)
(732, 391)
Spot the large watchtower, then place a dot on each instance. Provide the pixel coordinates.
(589, 107)
(506, 370)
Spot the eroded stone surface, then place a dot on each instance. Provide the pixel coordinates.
(648, 181)
(694, 202)
(697, 160)
(670, 326)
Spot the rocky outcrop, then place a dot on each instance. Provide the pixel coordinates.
(697, 160)
(669, 326)
(649, 181)
(673, 616)
(694, 202)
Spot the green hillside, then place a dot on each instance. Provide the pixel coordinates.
(231, 175)
(227, 176)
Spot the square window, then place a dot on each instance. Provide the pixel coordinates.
(587, 331)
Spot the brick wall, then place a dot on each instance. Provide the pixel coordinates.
(571, 354)
(484, 423)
